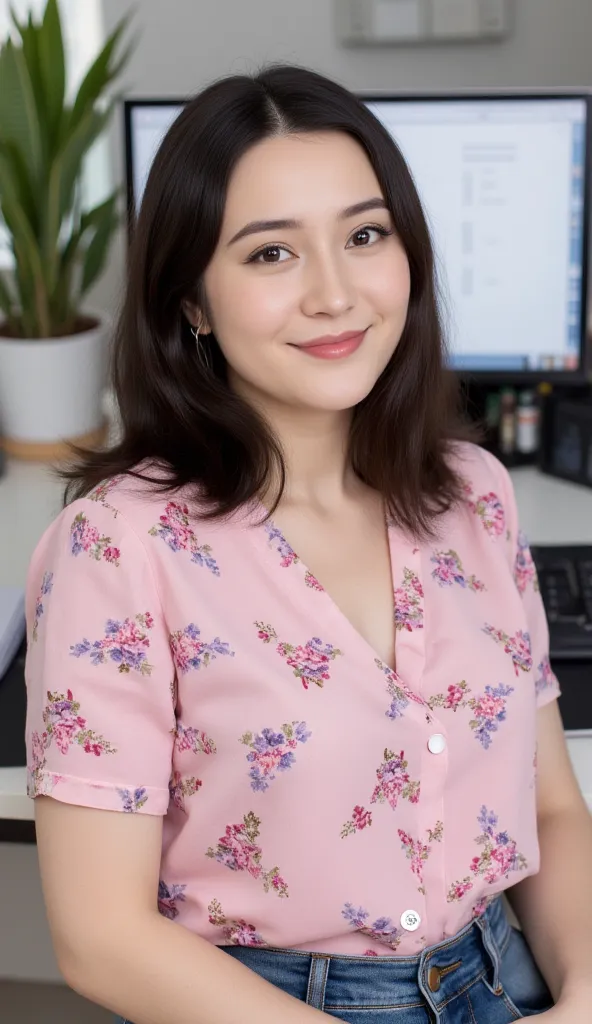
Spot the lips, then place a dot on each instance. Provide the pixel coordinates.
(331, 339)
(335, 346)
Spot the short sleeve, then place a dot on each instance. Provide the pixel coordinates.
(526, 580)
(99, 671)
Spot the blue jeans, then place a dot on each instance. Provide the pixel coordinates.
(486, 975)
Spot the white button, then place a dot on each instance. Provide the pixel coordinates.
(437, 743)
(410, 920)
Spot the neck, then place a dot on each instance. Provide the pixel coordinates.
(314, 444)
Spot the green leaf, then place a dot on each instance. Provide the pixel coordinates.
(58, 251)
(100, 74)
(19, 119)
(7, 303)
(64, 299)
(52, 68)
(29, 33)
(96, 254)
(63, 178)
(14, 166)
(92, 218)
(29, 275)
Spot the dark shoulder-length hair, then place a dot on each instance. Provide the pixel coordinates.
(177, 411)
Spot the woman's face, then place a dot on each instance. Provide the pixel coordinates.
(326, 268)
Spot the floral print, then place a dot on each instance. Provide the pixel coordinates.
(238, 933)
(180, 788)
(453, 699)
(100, 492)
(132, 801)
(383, 929)
(481, 906)
(85, 537)
(309, 662)
(408, 606)
(287, 554)
(490, 511)
(449, 570)
(418, 852)
(312, 582)
(459, 889)
(525, 573)
(401, 695)
(189, 652)
(489, 708)
(238, 850)
(272, 752)
(360, 819)
(276, 539)
(499, 857)
(394, 782)
(168, 897)
(517, 646)
(292, 753)
(64, 726)
(125, 643)
(46, 585)
(174, 529)
(188, 738)
(545, 676)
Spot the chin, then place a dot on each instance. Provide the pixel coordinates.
(339, 398)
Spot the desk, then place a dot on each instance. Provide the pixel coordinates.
(551, 512)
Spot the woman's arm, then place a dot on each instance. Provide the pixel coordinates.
(554, 907)
(99, 872)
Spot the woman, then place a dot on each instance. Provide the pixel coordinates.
(288, 622)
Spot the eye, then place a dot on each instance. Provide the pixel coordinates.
(362, 237)
(273, 251)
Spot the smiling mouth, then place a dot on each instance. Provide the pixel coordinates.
(336, 347)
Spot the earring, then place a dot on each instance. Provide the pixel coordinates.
(202, 354)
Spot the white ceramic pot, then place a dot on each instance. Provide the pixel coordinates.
(51, 392)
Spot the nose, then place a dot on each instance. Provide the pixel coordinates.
(328, 287)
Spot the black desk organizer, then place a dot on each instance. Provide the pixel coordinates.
(575, 704)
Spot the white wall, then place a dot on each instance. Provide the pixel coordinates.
(185, 43)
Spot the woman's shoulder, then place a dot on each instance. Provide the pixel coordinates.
(126, 507)
(479, 470)
(141, 498)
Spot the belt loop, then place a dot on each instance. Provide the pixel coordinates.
(317, 981)
(491, 947)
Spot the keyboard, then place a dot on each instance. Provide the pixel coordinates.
(565, 578)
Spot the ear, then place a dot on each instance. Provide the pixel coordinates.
(195, 317)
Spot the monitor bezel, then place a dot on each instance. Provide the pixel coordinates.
(583, 373)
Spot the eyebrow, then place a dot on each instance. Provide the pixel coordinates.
(256, 226)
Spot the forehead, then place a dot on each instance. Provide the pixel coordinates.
(299, 176)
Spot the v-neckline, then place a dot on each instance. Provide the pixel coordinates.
(337, 613)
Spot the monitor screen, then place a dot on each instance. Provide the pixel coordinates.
(503, 182)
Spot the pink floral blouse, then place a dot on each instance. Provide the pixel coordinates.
(312, 797)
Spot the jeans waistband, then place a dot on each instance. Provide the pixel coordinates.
(435, 976)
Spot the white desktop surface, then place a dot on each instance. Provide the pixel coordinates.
(551, 512)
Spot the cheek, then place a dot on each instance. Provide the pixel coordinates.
(248, 304)
(388, 286)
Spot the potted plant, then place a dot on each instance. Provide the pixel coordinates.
(52, 351)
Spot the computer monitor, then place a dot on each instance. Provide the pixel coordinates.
(504, 180)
